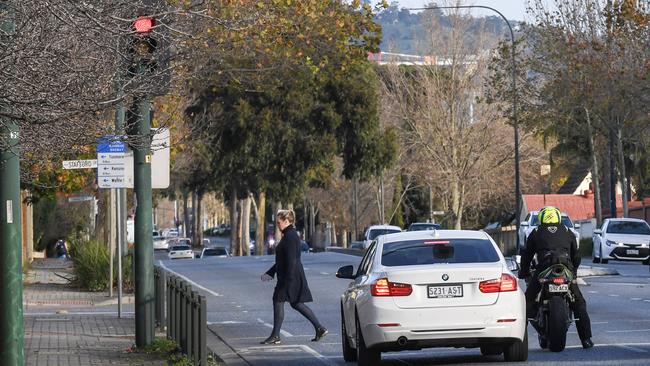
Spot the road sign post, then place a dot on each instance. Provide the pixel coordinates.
(11, 279)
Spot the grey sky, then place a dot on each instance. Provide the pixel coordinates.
(512, 9)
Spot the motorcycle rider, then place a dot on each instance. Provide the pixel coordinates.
(552, 241)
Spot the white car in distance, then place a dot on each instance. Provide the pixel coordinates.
(532, 221)
(440, 288)
(181, 251)
(376, 230)
(622, 239)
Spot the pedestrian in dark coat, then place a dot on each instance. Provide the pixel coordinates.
(291, 283)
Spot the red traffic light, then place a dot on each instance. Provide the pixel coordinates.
(144, 24)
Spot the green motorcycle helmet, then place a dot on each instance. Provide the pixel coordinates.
(549, 215)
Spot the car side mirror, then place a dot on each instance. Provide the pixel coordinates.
(524, 224)
(346, 272)
(513, 265)
(576, 225)
(598, 231)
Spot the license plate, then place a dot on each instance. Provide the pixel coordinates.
(558, 288)
(632, 251)
(436, 292)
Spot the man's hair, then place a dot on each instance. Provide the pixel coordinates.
(286, 215)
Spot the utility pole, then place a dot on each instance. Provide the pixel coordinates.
(11, 279)
(140, 137)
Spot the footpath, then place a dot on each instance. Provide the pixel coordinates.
(67, 326)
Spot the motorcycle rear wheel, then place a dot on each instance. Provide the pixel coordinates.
(557, 323)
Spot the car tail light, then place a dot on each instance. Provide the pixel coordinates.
(383, 287)
(559, 281)
(506, 283)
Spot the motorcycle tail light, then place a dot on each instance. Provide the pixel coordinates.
(559, 281)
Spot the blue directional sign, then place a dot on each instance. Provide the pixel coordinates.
(110, 144)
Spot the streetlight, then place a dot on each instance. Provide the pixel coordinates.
(514, 102)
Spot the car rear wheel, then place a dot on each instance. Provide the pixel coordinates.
(517, 351)
(365, 356)
(491, 350)
(349, 353)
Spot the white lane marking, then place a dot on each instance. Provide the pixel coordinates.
(190, 281)
(635, 349)
(324, 273)
(627, 331)
(283, 332)
(636, 299)
(599, 323)
(613, 345)
(226, 322)
(620, 284)
(289, 348)
(613, 295)
(592, 292)
(646, 300)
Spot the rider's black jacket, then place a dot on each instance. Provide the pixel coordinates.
(553, 243)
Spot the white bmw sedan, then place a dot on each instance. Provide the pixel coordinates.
(439, 288)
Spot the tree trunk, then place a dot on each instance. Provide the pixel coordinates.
(382, 206)
(455, 203)
(306, 232)
(312, 222)
(612, 176)
(334, 240)
(355, 208)
(261, 224)
(199, 219)
(246, 225)
(595, 176)
(233, 223)
(623, 176)
(186, 216)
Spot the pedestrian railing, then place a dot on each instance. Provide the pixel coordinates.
(183, 311)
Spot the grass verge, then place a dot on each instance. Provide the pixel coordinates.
(171, 351)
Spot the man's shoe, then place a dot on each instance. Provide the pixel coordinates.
(587, 343)
(320, 333)
(272, 340)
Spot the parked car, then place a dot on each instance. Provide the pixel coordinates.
(622, 239)
(156, 234)
(181, 251)
(376, 230)
(160, 243)
(532, 221)
(171, 242)
(219, 252)
(419, 226)
(447, 288)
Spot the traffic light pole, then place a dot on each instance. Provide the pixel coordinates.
(144, 282)
(11, 277)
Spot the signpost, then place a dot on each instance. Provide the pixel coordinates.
(112, 164)
(80, 164)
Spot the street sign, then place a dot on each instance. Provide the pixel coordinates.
(113, 163)
(160, 148)
(80, 198)
(80, 164)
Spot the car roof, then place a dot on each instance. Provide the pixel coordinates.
(391, 227)
(627, 219)
(434, 234)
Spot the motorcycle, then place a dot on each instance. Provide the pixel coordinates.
(554, 315)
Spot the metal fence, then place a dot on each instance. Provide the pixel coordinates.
(183, 311)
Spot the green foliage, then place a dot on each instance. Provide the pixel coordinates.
(161, 346)
(91, 264)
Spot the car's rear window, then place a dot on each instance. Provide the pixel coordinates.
(376, 232)
(423, 227)
(181, 247)
(416, 252)
(628, 227)
(215, 251)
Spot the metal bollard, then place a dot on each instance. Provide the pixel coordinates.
(195, 327)
(170, 308)
(203, 324)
